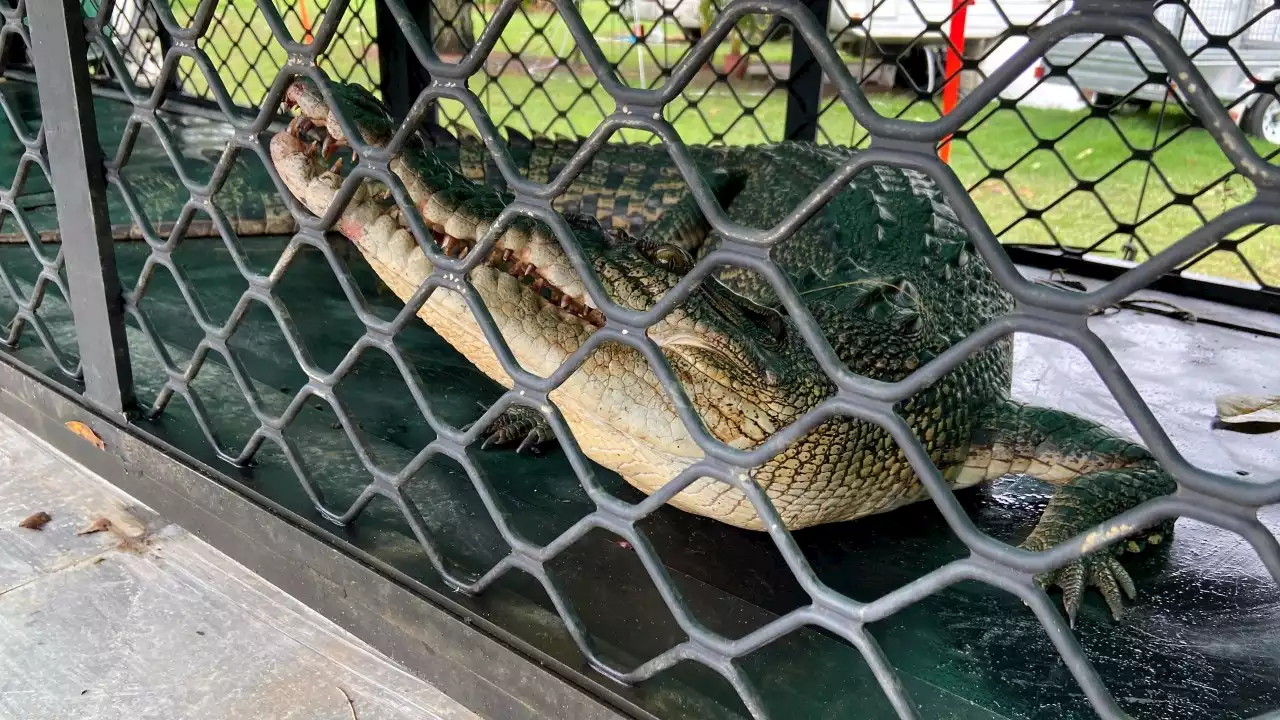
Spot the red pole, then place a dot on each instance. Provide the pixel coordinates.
(306, 21)
(951, 93)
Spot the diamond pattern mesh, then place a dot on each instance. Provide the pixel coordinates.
(33, 288)
(1041, 177)
(537, 82)
(220, 51)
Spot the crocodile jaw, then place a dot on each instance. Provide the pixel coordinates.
(614, 404)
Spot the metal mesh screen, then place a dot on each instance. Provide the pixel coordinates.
(893, 136)
(1044, 180)
(33, 284)
(1072, 156)
(239, 46)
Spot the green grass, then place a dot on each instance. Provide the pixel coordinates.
(545, 95)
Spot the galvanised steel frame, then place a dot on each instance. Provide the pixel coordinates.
(67, 142)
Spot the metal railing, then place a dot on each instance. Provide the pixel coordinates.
(66, 148)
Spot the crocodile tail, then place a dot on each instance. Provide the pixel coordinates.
(1050, 445)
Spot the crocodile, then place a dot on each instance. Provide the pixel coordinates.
(161, 198)
(884, 267)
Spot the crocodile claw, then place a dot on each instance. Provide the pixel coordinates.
(1101, 570)
(519, 423)
(330, 146)
(301, 125)
(529, 440)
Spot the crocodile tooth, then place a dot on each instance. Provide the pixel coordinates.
(566, 302)
(528, 270)
(538, 284)
(506, 254)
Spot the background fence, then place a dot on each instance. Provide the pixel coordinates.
(1051, 165)
(201, 336)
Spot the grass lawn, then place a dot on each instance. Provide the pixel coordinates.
(542, 94)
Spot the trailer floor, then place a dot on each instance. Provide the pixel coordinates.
(147, 621)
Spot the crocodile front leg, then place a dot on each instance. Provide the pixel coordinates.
(1099, 475)
(522, 423)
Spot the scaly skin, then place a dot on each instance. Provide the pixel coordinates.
(884, 267)
(247, 210)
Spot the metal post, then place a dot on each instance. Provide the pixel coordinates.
(403, 77)
(955, 63)
(59, 51)
(804, 82)
(166, 42)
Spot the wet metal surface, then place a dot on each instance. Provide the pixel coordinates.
(149, 622)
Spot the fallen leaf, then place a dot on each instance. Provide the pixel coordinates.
(96, 526)
(36, 521)
(1249, 409)
(86, 433)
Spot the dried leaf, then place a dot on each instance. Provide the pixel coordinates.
(1249, 409)
(36, 521)
(87, 433)
(96, 526)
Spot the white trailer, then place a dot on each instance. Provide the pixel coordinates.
(1110, 72)
(894, 21)
(902, 21)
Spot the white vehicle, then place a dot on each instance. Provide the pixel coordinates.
(687, 13)
(902, 21)
(1110, 73)
(897, 27)
(894, 21)
(901, 28)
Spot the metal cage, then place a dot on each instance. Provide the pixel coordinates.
(90, 316)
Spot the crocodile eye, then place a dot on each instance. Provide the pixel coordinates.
(777, 330)
(672, 258)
